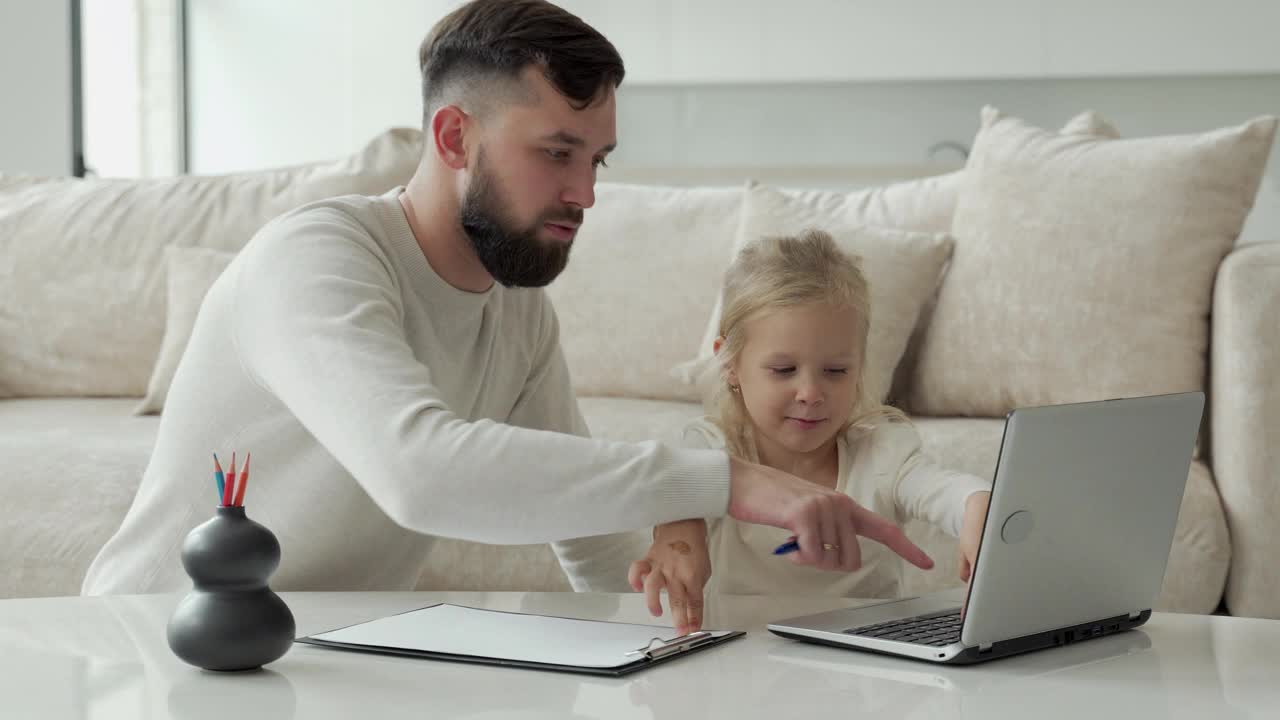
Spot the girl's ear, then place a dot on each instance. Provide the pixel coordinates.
(731, 377)
(730, 374)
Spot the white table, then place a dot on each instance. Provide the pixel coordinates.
(106, 658)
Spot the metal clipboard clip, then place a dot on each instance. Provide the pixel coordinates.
(672, 646)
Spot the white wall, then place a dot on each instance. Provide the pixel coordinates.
(897, 122)
(752, 41)
(292, 81)
(35, 85)
(859, 82)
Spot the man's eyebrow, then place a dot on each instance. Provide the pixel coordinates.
(568, 138)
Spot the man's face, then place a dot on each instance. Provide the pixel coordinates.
(533, 174)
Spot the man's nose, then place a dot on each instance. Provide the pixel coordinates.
(581, 190)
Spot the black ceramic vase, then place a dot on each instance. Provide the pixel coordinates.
(231, 620)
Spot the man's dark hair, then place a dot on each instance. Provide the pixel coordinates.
(483, 46)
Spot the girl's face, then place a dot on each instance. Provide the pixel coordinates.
(798, 375)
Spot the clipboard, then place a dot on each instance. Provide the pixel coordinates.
(456, 633)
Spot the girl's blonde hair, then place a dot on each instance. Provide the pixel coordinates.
(779, 272)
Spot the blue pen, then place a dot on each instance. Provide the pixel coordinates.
(789, 546)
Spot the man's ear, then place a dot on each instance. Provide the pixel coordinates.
(448, 127)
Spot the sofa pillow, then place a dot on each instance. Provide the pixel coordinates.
(922, 205)
(902, 267)
(190, 273)
(1083, 266)
(633, 297)
(82, 277)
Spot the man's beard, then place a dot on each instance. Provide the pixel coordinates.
(514, 257)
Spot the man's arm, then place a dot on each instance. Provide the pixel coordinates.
(319, 326)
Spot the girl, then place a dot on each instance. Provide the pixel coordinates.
(790, 350)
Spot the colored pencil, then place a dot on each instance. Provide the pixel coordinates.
(218, 475)
(230, 490)
(244, 479)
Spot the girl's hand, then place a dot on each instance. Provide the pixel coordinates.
(975, 517)
(679, 562)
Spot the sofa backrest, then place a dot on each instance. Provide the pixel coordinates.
(82, 282)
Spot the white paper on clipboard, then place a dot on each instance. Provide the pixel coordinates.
(474, 632)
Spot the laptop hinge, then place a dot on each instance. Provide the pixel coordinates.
(1135, 615)
(985, 648)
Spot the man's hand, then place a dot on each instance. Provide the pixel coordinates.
(678, 561)
(826, 523)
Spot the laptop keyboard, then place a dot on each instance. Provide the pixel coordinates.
(935, 629)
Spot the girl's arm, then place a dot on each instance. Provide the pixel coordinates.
(678, 560)
(927, 491)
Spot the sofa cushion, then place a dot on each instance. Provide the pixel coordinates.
(190, 272)
(903, 269)
(649, 259)
(71, 468)
(636, 291)
(921, 205)
(1083, 266)
(1198, 560)
(82, 286)
(631, 420)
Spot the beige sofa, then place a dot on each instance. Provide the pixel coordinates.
(82, 319)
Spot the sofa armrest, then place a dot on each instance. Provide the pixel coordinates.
(1245, 422)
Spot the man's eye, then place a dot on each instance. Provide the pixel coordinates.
(784, 370)
(838, 371)
(600, 163)
(558, 154)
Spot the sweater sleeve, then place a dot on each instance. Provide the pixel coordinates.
(925, 490)
(703, 434)
(319, 326)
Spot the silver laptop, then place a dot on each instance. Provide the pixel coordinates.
(1082, 513)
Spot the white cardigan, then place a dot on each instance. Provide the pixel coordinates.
(885, 471)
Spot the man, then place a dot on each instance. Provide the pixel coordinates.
(395, 368)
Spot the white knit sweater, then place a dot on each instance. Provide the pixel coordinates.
(886, 471)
